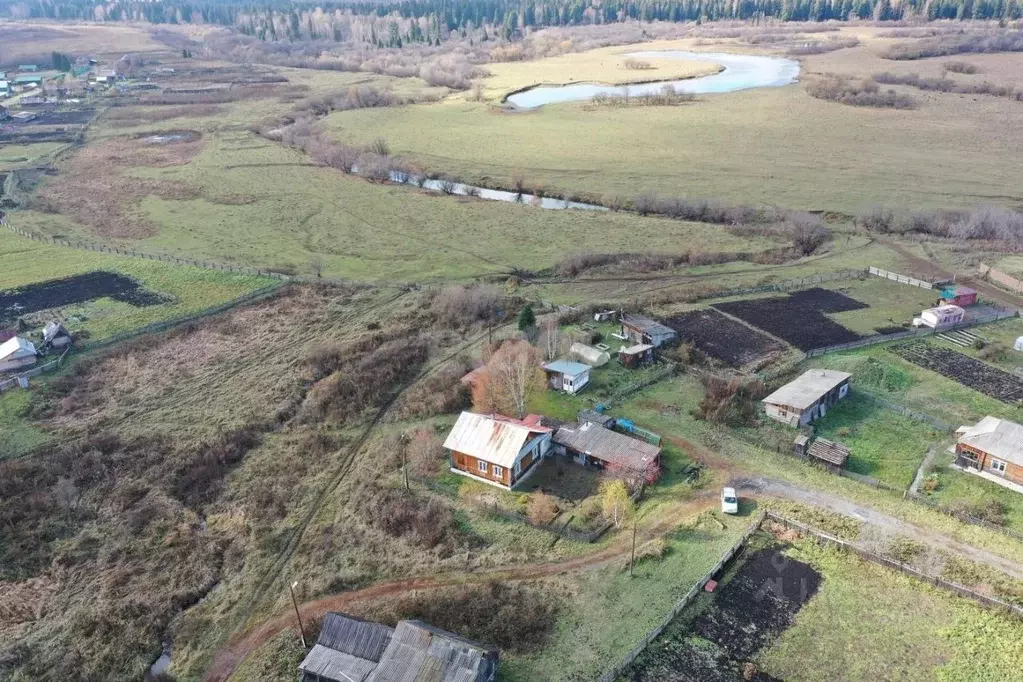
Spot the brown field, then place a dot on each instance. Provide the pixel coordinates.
(20, 41)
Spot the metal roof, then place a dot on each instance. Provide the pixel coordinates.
(28, 79)
(354, 636)
(636, 349)
(999, 438)
(493, 438)
(16, 348)
(572, 369)
(336, 665)
(607, 446)
(647, 325)
(807, 389)
(420, 653)
(944, 310)
(829, 451)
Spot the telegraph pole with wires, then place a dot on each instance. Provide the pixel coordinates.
(298, 615)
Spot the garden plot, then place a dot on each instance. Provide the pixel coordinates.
(76, 289)
(722, 338)
(754, 607)
(963, 369)
(799, 318)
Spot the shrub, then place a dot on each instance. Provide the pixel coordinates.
(961, 67)
(992, 511)
(461, 306)
(904, 550)
(859, 94)
(426, 521)
(931, 484)
(730, 402)
(542, 509)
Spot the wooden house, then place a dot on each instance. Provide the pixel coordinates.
(352, 650)
(643, 330)
(636, 356)
(17, 353)
(497, 450)
(959, 296)
(992, 446)
(570, 377)
(807, 398)
(592, 444)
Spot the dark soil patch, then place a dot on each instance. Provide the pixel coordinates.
(889, 330)
(800, 318)
(723, 338)
(77, 289)
(963, 369)
(748, 613)
(55, 118)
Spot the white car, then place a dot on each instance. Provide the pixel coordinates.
(729, 501)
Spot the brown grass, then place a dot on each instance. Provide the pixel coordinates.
(133, 116)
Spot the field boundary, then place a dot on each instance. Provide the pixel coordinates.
(822, 538)
(962, 516)
(12, 382)
(612, 674)
(998, 277)
(904, 279)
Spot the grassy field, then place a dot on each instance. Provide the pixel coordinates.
(189, 289)
(868, 622)
(959, 489)
(17, 435)
(36, 40)
(891, 304)
(15, 156)
(774, 146)
(883, 444)
(225, 201)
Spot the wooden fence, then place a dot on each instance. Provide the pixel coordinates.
(681, 605)
(904, 279)
(910, 334)
(12, 382)
(999, 277)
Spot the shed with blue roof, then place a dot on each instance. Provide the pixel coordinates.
(567, 376)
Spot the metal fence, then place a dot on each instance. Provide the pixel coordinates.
(911, 334)
(683, 603)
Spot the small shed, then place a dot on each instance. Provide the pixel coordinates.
(830, 454)
(55, 336)
(28, 67)
(643, 330)
(636, 356)
(940, 317)
(594, 357)
(594, 417)
(17, 353)
(567, 376)
(605, 315)
(958, 295)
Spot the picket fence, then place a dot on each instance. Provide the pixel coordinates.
(904, 279)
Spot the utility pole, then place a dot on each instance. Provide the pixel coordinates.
(403, 441)
(632, 564)
(294, 602)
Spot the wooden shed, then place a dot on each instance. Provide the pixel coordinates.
(830, 454)
(636, 356)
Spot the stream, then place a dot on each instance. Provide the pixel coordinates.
(741, 72)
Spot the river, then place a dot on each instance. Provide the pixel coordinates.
(741, 72)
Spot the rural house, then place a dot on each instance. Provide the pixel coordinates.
(958, 295)
(643, 330)
(940, 317)
(570, 377)
(5, 89)
(17, 353)
(28, 67)
(28, 81)
(636, 356)
(591, 444)
(497, 450)
(992, 448)
(807, 398)
(352, 650)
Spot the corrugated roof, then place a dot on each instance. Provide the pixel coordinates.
(493, 438)
(420, 653)
(568, 367)
(647, 325)
(944, 310)
(829, 451)
(807, 389)
(336, 665)
(607, 446)
(353, 636)
(16, 348)
(999, 438)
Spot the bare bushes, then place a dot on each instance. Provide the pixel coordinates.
(198, 481)
(832, 44)
(577, 263)
(511, 616)
(355, 97)
(989, 223)
(701, 210)
(425, 521)
(450, 71)
(962, 67)
(864, 93)
(461, 306)
(667, 96)
(733, 403)
(440, 393)
(945, 85)
(637, 65)
(945, 45)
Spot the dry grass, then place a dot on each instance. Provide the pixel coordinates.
(134, 116)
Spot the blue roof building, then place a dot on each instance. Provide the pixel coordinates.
(567, 376)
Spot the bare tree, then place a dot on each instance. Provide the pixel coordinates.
(512, 376)
(316, 264)
(550, 336)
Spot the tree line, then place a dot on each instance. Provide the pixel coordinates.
(430, 21)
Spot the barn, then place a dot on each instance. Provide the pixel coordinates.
(643, 330)
(807, 398)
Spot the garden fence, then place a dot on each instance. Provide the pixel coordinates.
(682, 604)
(786, 285)
(845, 545)
(911, 334)
(904, 279)
(999, 277)
(961, 515)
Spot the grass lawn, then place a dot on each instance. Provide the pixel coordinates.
(21, 155)
(16, 435)
(883, 444)
(957, 488)
(775, 146)
(869, 623)
(189, 289)
(891, 304)
(610, 613)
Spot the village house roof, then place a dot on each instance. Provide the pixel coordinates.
(572, 369)
(52, 330)
(28, 79)
(945, 310)
(493, 438)
(4, 85)
(807, 389)
(999, 438)
(16, 348)
(645, 324)
(607, 446)
(636, 349)
(352, 650)
(28, 67)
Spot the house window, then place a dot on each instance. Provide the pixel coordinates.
(481, 465)
(998, 466)
(498, 472)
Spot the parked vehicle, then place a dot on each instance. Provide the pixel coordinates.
(729, 501)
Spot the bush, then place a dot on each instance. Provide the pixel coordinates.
(962, 67)
(461, 306)
(859, 94)
(542, 509)
(730, 402)
(426, 521)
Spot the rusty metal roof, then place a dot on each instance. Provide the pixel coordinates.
(493, 438)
